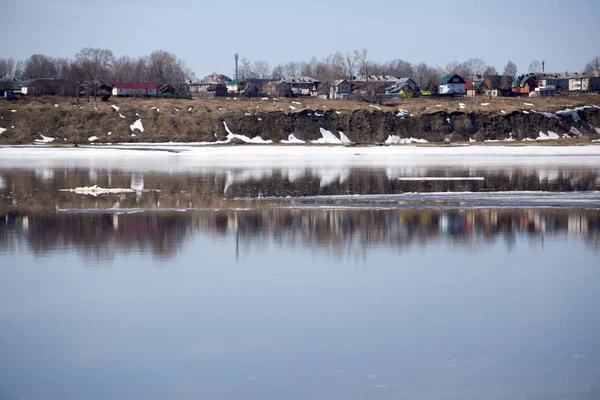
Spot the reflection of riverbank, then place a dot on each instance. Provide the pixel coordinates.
(40, 189)
(344, 232)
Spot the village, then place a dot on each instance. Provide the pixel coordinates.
(361, 87)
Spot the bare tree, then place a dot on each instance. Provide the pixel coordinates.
(593, 67)
(362, 60)
(39, 66)
(261, 69)
(95, 65)
(510, 69)
(535, 67)
(349, 64)
(8, 68)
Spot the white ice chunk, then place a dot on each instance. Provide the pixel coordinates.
(292, 140)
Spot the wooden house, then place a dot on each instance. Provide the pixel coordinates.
(293, 86)
(497, 85)
(43, 87)
(524, 84)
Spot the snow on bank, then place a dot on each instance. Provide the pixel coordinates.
(137, 125)
(243, 138)
(394, 139)
(93, 138)
(44, 139)
(292, 140)
(116, 108)
(550, 136)
(2, 130)
(328, 138)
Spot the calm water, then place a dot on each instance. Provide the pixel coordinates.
(282, 283)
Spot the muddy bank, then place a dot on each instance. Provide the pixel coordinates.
(67, 122)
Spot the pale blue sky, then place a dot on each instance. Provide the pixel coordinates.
(206, 34)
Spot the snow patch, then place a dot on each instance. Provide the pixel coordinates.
(95, 190)
(292, 140)
(525, 112)
(575, 131)
(56, 105)
(338, 112)
(485, 104)
(109, 133)
(296, 102)
(328, 138)
(448, 121)
(292, 108)
(137, 125)
(344, 138)
(44, 139)
(528, 104)
(550, 136)
(93, 138)
(245, 139)
(471, 140)
(376, 107)
(319, 115)
(116, 108)
(2, 130)
(121, 115)
(402, 113)
(503, 112)
(259, 119)
(395, 139)
(13, 110)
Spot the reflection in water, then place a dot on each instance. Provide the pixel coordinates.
(342, 232)
(39, 190)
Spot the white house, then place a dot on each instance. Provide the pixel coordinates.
(452, 83)
(134, 89)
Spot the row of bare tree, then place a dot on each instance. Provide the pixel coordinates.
(94, 65)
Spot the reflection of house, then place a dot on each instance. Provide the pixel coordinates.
(452, 84)
(134, 89)
(40, 87)
(339, 89)
(295, 86)
(497, 85)
(524, 84)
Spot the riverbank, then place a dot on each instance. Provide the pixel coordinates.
(50, 120)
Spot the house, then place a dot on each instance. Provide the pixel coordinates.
(49, 86)
(452, 84)
(254, 86)
(8, 88)
(543, 91)
(558, 80)
(497, 85)
(473, 88)
(216, 89)
(166, 89)
(404, 87)
(524, 84)
(292, 86)
(200, 87)
(340, 89)
(580, 82)
(127, 89)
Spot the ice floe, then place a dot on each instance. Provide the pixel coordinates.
(96, 190)
(137, 125)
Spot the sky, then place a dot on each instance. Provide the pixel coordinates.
(207, 34)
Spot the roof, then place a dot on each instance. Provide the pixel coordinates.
(376, 78)
(338, 82)
(134, 85)
(10, 85)
(473, 84)
(299, 79)
(45, 82)
(446, 79)
(219, 78)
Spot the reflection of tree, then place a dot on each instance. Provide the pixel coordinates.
(344, 233)
(38, 190)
